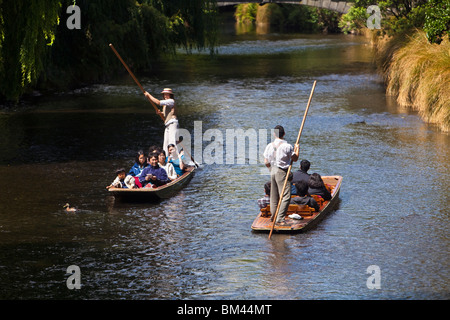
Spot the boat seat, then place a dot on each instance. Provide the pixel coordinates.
(318, 199)
(265, 212)
(300, 209)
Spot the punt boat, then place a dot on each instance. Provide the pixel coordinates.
(310, 217)
(154, 194)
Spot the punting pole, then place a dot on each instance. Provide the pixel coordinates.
(134, 78)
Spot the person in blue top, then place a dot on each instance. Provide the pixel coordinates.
(176, 159)
(139, 165)
(153, 175)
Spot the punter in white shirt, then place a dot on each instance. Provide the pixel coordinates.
(170, 117)
(277, 157)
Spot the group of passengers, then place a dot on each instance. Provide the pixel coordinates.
(303, 187)
(153, 170)
(158, 168)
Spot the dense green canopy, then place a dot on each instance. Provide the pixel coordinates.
(37, 47)
(433, 16)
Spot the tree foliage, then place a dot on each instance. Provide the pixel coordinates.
(403, 15)
(27, 30)
(289, 17)
(437, 20)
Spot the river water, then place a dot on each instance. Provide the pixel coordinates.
(393, 209)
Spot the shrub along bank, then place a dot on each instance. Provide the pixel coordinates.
(417, 72)
(412, 53)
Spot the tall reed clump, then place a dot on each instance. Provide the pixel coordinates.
(418, 74)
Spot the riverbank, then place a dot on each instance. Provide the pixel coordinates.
(417, 73)
(288, 18)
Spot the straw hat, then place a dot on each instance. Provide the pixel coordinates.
(167, 90)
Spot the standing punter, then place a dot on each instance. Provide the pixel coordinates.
(171, 121)
(277, 157)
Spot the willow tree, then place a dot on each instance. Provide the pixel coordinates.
(32, 40)
(190, 23)
(27, 30)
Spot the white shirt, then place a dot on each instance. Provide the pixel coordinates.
(279, 153)
(170, 103)
(170, 170)
(168, 110)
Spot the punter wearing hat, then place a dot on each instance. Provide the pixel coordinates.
(170, 118)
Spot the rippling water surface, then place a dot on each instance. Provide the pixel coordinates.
(393, 208)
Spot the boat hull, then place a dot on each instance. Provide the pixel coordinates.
(264, 224)
(154, 194)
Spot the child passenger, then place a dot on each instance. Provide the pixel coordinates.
(264, 202)
(122, 181)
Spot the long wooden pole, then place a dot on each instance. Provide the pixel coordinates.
(290, 165)
(135, 80)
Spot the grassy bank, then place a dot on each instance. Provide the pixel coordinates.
(418, 74)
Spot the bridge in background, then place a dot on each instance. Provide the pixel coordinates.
(338, 6)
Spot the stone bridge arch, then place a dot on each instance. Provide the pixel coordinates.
(338, 6)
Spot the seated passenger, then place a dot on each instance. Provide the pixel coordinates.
(139, 165)
(154, 149)
(170, 170)
(153, 175)
(316, 186)
(303, 197)
(265, 201)
(301, 174)
(122, 181)
(176, 159)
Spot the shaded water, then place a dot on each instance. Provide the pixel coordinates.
(393, 208)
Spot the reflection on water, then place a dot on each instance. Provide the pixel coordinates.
(393, 209)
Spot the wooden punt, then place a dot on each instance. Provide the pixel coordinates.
(310, 217)
(154, 194)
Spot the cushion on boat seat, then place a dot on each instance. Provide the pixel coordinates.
(265, 212)
(318, 199)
